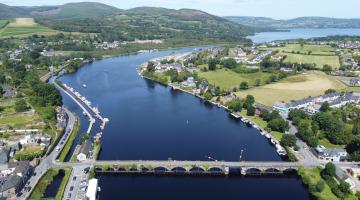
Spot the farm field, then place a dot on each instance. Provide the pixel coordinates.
(228, 79)
(21, 121)
(320, 61)
(24, 27)
(294, 88)
(315, 49)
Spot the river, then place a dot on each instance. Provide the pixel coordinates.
(149, 121)
(301, 33)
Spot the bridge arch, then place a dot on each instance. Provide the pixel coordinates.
(98, 169)
(197, 169)
(121, 169)
(272, 170)
(290, 171)
(253, 171)
(160, 169)
(178, 170)
(215, 169)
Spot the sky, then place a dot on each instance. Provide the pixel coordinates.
(278, 9)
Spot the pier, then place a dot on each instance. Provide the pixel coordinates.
(86, 102)
(91, 119)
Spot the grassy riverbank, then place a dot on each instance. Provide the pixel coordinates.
(45, 181)
(70, 141)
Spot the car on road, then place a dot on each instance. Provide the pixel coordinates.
(57, 148)
(74, 178)
(69, 195)
(71, 188)
(34, 174)
(19, 194)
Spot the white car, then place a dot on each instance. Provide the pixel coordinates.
(57, 148)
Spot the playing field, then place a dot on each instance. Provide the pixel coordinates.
(228, 79)
(294, 88)
(320, 61)
(315, 49)
(24, 27)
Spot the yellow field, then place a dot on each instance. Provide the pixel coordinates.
(23, 22)
(319, 60)
(294, 88)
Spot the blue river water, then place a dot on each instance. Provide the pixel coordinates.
(150, 121)
(304, 33)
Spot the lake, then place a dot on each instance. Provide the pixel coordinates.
(301, 34)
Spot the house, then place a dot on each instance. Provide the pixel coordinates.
(335, 155)
(355, 172)
(354, 82)
(189, 82)
(85, 151)
(11, 184)
(4, 158)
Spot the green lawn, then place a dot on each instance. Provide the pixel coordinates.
(319, 60)
(69, 142)
(16, 121)
(228, 79)
(326, 143)
(315, 49)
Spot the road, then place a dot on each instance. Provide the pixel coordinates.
(49, 161)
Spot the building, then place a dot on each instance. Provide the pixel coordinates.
(13, 182)
(334, 155)
(354, 82)
(189, 82)
(85, 151)
(355, 172)
(92, 189)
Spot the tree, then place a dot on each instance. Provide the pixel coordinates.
(344, 187)
(278, 124)
(356, 127)
(320, 186)
(327, 68)
(235, 105)
(244, 85)
(229, 63)
(208, 96)
(21, 106)
(150, 67)
(353, 148)
(288, 140)
(325, 107)
(212, 64)
(251, 111)
(330, 169)
(329, 91)
(250, 100)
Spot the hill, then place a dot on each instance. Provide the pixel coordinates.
(154, 23)
(66, 11)
(301, 22)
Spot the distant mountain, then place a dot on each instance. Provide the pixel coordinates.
(301, 22)
(154, 23)
(66, 11)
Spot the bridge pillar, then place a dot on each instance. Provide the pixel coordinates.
(226, 171)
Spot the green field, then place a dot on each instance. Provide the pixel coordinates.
(3, 23)
(24, 27)
(228, 79)
(320, 61)
(294, 88)
(315, 49)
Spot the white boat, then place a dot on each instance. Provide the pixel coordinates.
(84, 85)
(267, 135)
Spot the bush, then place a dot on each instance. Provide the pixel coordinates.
(320, 186)
(21, 106)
